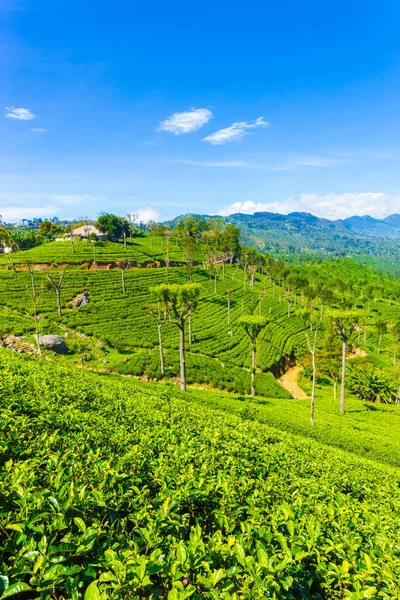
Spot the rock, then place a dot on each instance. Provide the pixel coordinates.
(56, 343)
(17, 344)
(81, 300)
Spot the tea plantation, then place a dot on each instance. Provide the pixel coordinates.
(112, 488)
(220, 354)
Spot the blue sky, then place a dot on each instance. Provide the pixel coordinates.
(215, 107)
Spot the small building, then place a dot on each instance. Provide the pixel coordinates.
(84, 231)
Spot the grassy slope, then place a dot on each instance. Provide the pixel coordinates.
(139, 251)
(231, 508)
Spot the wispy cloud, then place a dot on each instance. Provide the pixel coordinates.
(38, 130)
(288, 164)
(235, 132)
(330, 206)
(20, 114)
(186, 122)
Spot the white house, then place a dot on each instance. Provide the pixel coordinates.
(84, 231)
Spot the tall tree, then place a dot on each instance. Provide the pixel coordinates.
(178, 302)
(34, 302)
(381, 329)
(160, 319)
(132, 218)
(167, 237)
(111, 225)
(150, 225)
(231, 241)
(253, 325)
(189, 248)
(312, 325)
(124, 265)
(56, 284)
(344, 327)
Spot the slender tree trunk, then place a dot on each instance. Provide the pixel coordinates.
(123, 280)
(253, 369)
(229, 307)
(311, 349)
(334, 389)
(161, 348)
(344, 349)
(124, 236)
(72, 244)
(223, 269)
(182, 356)
(35, 311)
(313, 386)
(190, 329)
(252, 279)
(58, 301)
(379, 343)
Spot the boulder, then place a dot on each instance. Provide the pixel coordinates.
(56, 343)
(81, 300)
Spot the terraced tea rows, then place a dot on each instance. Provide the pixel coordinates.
(123, 321)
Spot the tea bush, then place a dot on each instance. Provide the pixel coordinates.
(112, 488)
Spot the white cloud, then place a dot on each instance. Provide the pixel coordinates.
(186, 122)
(147, 213)
(288, 164)
(330, 206)
(20, 114)
(234, 132)
(38, 130)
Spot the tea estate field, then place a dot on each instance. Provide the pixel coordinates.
(114, 488)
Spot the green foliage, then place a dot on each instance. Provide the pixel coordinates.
(372, 385)
(253, 325)
(110, 491)
(111, 225)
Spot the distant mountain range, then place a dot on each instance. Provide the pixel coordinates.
(306, 233)
(363, 226)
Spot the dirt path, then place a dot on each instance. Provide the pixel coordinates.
(289, 382)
